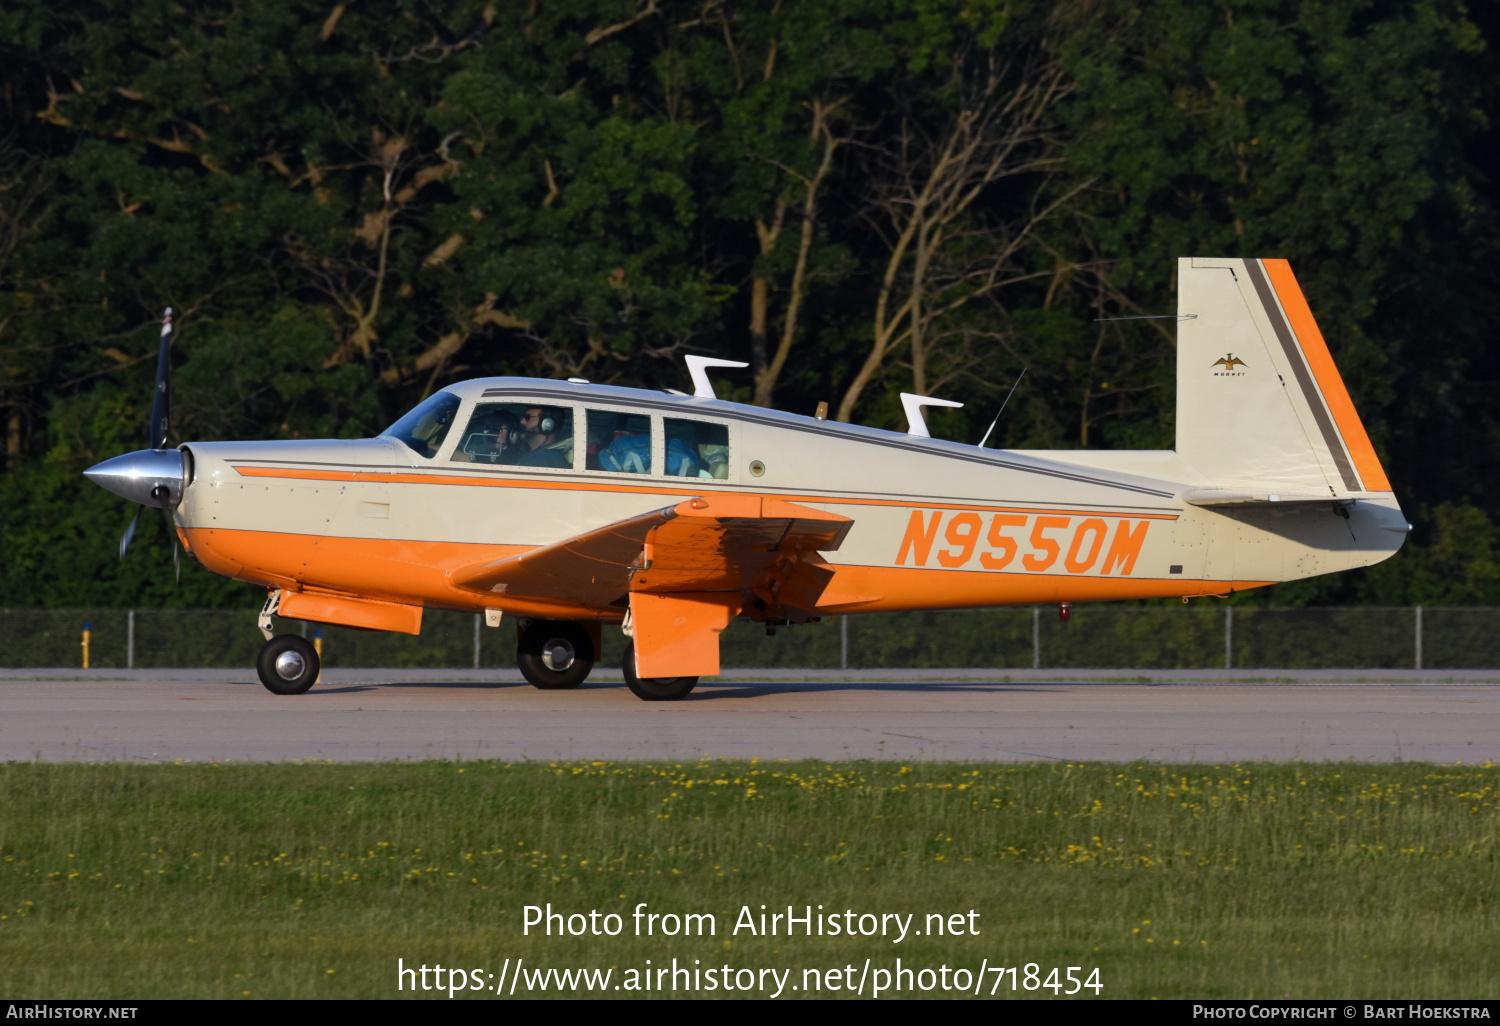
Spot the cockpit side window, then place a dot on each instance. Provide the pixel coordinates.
(518, 435)
(697, 448)
(493, 435)
(424, 429)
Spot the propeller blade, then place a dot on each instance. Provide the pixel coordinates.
(161, 402)
(130, 531)
(175, 542)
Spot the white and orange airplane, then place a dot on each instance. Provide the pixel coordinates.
(569, 506)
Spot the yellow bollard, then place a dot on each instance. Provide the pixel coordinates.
(85, 645)
(318, 648)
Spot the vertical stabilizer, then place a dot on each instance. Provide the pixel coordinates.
(1260, 403)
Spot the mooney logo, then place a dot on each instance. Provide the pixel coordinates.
(1229, 363)
(1081, 543)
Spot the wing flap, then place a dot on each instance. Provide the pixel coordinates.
(737, 543)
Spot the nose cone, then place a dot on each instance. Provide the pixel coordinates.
(152, 477)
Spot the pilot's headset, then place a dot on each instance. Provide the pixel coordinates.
(548, 422)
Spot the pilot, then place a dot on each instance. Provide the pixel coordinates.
(540, 426)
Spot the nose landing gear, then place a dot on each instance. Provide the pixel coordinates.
(555, 655)
(287, 665)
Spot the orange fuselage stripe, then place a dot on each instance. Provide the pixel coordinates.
(418, 572)
(382, 477)
(1305, 327)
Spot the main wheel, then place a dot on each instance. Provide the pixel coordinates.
(654, 689)
(288, 665)
(555, 654)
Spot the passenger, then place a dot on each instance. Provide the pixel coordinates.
(716, 461)
(540, 446)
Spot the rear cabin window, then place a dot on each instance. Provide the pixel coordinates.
(619, 442)
(518, 435)
(424, 429)
(696, 448)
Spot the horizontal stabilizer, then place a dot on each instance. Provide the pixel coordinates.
(1216, 497)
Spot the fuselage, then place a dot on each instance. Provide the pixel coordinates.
(936, 524)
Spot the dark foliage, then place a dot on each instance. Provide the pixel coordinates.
(350, 208)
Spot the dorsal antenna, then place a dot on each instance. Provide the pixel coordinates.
(912, 404)
(698, 371)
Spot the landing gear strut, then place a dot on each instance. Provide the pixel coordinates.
(654, 689)
(288, 665)
(555, 654)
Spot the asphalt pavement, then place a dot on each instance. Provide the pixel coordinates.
(960, 715)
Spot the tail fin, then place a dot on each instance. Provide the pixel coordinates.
(1260, 404)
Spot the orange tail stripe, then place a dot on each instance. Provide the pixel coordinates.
(1329, 381)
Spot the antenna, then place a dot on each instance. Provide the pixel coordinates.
(1012, 392)
(912, 404)
(698, 371)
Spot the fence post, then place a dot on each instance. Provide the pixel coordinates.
(844, 642)
(476, 640)
(1228, 637)
(130, 640)
(1419, 637)
(1036, 637)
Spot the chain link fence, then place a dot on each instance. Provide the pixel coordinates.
(1200, 636)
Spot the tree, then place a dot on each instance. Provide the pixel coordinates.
(949, 241)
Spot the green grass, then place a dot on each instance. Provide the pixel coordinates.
(295, 881)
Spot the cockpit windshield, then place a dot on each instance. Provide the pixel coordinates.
(425, 427)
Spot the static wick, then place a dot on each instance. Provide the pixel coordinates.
(1149, 317)
(1012, 392)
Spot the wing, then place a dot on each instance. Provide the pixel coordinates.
(592, 569)
(751, 545)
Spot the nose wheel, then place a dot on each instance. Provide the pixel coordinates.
(555, 655)
(654, 689)
(287, 665)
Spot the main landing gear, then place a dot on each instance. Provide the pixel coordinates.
(558, 654)
(288, 665)
(654, 689)
(555, 655)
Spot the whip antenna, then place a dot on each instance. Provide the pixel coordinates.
(1012, 392)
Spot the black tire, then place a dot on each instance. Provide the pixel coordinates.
(555, 655)
(654, 689)
(288, 665)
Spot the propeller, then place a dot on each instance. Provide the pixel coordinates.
(154, 476)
